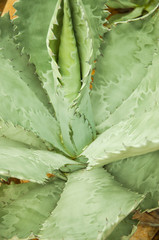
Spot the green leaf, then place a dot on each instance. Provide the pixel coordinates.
(32, 29)
(125, 104)
(20, 106)
(139, 173)
(83, 37)
(96, 16)
(125, 139)
(126, 4)
(126, 10)
(132, 14)
(20, 61)
(68, 59)
(89, 209)
(35, 202)
(19, 134)
(127, 112)
(31, 164)
(119, 90)
(75, 116)
(123, 229)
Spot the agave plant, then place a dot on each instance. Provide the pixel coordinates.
(100, 141)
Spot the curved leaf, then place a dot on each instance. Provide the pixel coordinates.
(35, 202)
(132, 137)
(20, 61)
(19, 134)
(123, 229)
(126, 4)
(96, 15)
(88, 209)
(75, 115)
(32, 27)
(31, 164)
(20, 106)
(139, 173)
(68, 58)
(120, 89)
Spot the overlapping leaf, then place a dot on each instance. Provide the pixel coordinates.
(31, 164)
(85, 205)
(125, 96)
(25, 207)
(72, 104)
(140, 174)
(124, 99)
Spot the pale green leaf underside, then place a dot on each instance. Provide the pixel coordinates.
(25, 207)
(31, 164)
(88, 211)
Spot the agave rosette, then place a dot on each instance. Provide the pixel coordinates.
(102, 144)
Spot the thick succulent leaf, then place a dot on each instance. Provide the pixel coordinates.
(21, 71)
(127, 4)
(131, 14)
(68, 58)
(32, 27)
(20, 106)
(25, 24)
(83, 36)
(24, 207)
(88, 211)
(135, 136)
(31, 164)
(96, 15)
(129, 127)
(78, 37)
(19, 134)
(77, 131)
(126, 13)
(135, 45)
(20, 61)
(75, 117)
(139, 173)
(123, 229)
(33, 30)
